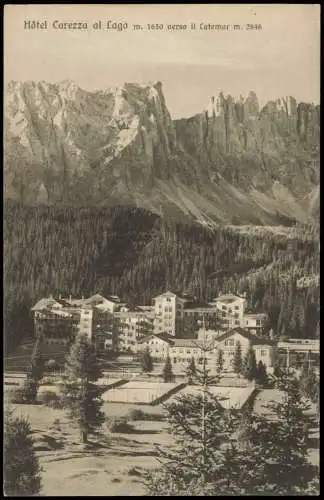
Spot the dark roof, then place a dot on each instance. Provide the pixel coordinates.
(63, 302)
(250, 336)
(196, 305)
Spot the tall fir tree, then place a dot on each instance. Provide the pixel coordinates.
(167, 371)
(309, 384)
(249, 367)
(199, 425)
(147, 362)
(82, 397)
(219, 362)
(286, 466)
(191, 370)
(261, 374)
(21, 468)
(34, 373)
(237, 360)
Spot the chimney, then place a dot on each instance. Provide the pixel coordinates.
(60, 296)
(70, 297)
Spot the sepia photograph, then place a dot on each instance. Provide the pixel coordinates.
(161, 250)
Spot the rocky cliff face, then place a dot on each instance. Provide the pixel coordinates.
(231, 163)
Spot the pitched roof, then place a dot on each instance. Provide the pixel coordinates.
(94, 298)
(45, 303)
(165, 294)
(197, 305)
(51, 313)
(255, 315)
(162, 336)
(229, 298)
(250, 336)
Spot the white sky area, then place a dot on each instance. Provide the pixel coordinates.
(281, 59)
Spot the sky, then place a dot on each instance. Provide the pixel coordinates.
(282, 58)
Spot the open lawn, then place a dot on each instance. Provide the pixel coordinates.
(111, 463)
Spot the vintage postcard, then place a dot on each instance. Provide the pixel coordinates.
(161, 250)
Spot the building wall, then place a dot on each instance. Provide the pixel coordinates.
(85, 325)
(181, 355)
(55, 329)
(167, 310)
(103, 328)
(264, 354)
(254, 322)
(130, 329)
(228, 347)
(159, 348)
(232, 313)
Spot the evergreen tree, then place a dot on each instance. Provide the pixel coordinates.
(261, 373)
(277, 368)
(167, 371)
(34, 373)
(304, 370)
(37, 364)
(237, 360)
(82, 397)
(219, 362)
(147, 362)
(249, 368)
(200, 427)
(286, 467)
(309, 385)
(191, 370)
(21, 468)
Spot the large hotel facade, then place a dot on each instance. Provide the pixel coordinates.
(116, 325)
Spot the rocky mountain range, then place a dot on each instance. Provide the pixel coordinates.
(233, 163)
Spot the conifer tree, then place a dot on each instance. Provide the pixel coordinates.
(191, 370)
(286, 468)
(200, 425)
(21, 467)
(167, 370)
(261, 373)
(147, 362)
(237, 360)
(309, 385)
(249, 368)
(82, 397)
(219, 362)
(34, 373)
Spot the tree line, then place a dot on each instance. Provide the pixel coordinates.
(137, 255)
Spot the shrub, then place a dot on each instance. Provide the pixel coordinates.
(119, 425)
(18, 396)
(25, 394)
(50, 399)
(137, 414)
(21, 467)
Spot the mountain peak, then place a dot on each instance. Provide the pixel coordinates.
(121, 146)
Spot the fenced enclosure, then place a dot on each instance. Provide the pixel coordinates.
(142, 392)
(229, 397)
